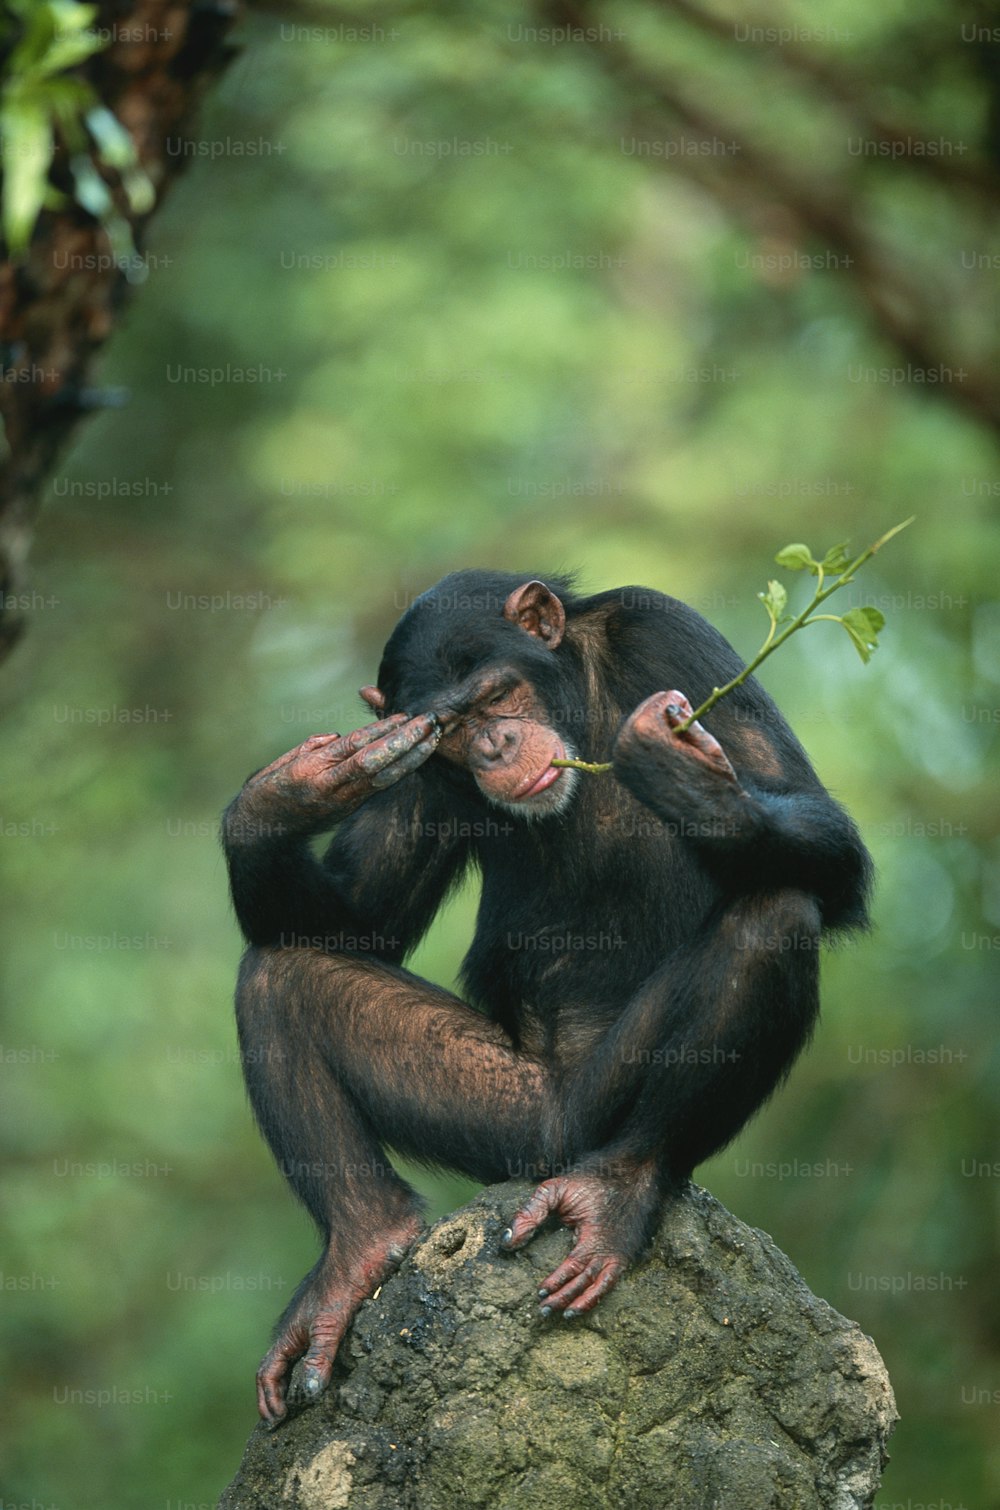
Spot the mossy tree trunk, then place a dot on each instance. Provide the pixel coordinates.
(61, 301)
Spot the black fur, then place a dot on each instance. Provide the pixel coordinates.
(644, 963)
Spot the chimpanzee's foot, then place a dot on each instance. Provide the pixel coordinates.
(612, 1218)
(320, 1313)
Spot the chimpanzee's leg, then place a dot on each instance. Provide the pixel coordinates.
(697, 1050)
(341, 1056)
(708, 1036)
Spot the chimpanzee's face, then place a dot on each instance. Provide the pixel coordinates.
(504, 738)
(485, 664)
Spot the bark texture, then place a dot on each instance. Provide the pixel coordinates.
(711, 1379)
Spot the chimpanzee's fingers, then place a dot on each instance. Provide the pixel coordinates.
(374, 748)
(271, 1377)
(385, 752)
(676, 710)
(589, 1273)
(572, 1268)
(535, 1211)
(315, 744)
(326, 1332)
(318, 1367)
(359, 738)
(646, 722)
(406, 763)
(607, 1276)
(271, 1394)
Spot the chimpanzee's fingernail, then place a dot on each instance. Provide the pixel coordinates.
(507, 1236)
(673, 708)
(312, 1384)
(543, 1294)
(570, 1315)
(546, 1311)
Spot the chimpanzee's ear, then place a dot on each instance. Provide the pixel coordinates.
(537, 610)
(375, 700)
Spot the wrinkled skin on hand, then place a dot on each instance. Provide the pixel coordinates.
(687, 753)
(610, 1216)
(329, 776)
(685, 775)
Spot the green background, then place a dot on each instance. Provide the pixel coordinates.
(548, 353)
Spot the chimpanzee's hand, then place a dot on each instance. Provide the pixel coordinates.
(653, 725)
(683, 776)
(330, 775)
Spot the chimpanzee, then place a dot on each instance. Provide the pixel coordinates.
(645, 962)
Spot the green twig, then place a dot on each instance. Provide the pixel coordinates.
(595, 768)
(862, 624)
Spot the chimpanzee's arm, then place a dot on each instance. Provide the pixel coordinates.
(386, 870)
(749, 838)
(761, 840)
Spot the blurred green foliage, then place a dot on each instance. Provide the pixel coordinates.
(43, 102)
(544, 353)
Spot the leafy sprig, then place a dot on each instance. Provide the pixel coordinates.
(41, 103)
(862, 624)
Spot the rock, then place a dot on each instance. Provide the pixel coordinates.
(710, 1379)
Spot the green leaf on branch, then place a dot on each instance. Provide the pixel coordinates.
(57, 34)
(863, 625)
(836, 558)
(774, 600)
(72, 47)
(27, 153)
(797, 558)
(42, 103)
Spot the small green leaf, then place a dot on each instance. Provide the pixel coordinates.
(774, 600)
(56, 35)
(797, 558)
(871, 618)
(39, 32)
(67, 97)
(836, 558)
(863, 625)
(69, 49)
(858, 643)
(27, 152)
(67, 14)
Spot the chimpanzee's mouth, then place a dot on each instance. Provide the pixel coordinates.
(541, 783)
(533, 786)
